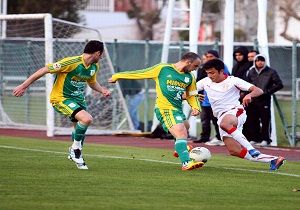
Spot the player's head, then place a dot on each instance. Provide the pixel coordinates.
(191, 60)
(215, 70)
(95, 48)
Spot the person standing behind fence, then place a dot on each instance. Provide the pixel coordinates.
(174, 82)
(269, 81)
(67, 95)
(132, 90)
(240, 55)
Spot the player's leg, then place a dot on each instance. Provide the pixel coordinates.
(174, 122)
(81, 120)
(235, 149)
(232, 123)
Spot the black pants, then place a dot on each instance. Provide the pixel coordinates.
(206, 117)
(258, 124)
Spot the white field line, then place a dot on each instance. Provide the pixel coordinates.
(148, 160)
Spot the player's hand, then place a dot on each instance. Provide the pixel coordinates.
(247, 100)
(195, 112)
(105, 92)
(200, 97)
(19, 91)
(110, 80)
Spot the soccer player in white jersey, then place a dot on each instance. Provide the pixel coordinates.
(223, 93)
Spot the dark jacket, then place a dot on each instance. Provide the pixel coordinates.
(267, 79)
(240, 68)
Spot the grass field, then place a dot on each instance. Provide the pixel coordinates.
(35, 174)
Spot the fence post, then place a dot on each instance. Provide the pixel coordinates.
(146, 86)
(294, 97)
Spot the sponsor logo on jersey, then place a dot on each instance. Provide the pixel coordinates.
(176, 83)
(169, 76)
(56, 66)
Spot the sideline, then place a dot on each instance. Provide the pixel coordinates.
(148, 160)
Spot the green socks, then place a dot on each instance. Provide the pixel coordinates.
(78, 135)
(181, 149)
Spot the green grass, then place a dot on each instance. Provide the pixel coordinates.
(35, 174)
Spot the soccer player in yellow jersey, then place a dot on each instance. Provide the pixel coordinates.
(67, 96)
(172, 82)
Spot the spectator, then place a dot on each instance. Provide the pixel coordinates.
(132, 90)
(242, 65)
(258, 124)
(206, 115)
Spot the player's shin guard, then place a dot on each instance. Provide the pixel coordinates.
(239, 137)
(181, 149)
(79, 135)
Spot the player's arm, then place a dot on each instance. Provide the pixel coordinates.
(97, 87)
(148, 73)
(20, 90)
(192, 99)
(253, 92)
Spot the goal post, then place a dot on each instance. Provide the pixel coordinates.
(33, 40)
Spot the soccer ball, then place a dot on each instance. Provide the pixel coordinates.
(200, 154)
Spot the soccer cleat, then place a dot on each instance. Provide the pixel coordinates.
(189, 148)
(76, 156)
(254, 152)
(276, 163)
(191, 165)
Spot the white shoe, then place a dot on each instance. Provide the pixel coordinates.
(262, 144)
(76, 156)
(215, 142)
(253, 142)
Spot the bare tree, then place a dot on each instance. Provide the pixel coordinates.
(289, 9)
(145, 19)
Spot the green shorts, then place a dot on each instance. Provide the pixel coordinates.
(69, 108)
(168, 117)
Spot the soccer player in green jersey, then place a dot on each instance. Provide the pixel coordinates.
(67, 96)
(173, 83)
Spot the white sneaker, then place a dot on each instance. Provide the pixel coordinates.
(253, 142)
(215, 142)
(76, 156)
(262, 144)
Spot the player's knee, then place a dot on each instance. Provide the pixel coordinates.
(87, 120)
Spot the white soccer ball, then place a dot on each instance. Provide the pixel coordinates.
(200, 154)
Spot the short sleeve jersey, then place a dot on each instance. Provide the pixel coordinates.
(223, 96)
(170, 85)
(71, 77)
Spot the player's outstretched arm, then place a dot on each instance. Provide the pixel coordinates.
(97, 87)
(20, 90)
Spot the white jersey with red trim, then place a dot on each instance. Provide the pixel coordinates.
(223, 96)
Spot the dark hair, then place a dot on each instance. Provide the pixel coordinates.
(190, 56)
(213, 52)
(260, 58)
(93, 46)
(256, 51)
(214, 63)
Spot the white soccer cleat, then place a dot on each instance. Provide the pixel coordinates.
(76, 156)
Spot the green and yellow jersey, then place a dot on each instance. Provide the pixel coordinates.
(170, 85)
(71, 77)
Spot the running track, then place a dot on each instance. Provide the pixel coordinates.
(292, 154)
